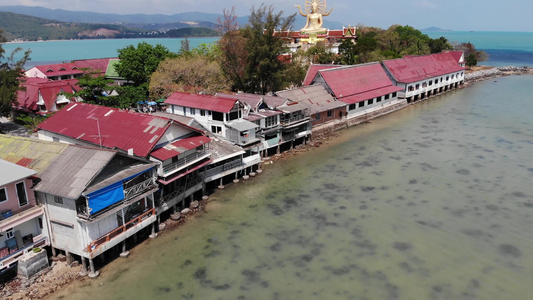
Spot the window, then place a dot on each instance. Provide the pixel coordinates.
(55, 139)
(202, 112)
(453, 76)
(447, 78)
(9, 233)
(417, 86)
(216, 129)
(3, 195)
(193, 111)
(424, 84)
(351, 107)
(330, 113)
(410, 88)
(317, 117)
(21, 193)
(394, 94)
(370, 101)
(362, 103)
(184, 111)
(58, 199)
(386, 97)
(431, 82)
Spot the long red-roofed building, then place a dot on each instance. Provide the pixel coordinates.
(423, 76)
(361, 87)
(70, 70)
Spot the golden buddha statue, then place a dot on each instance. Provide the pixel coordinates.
(315, 10)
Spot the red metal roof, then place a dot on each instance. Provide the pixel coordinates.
(458, 55)
(313, 69)
(116, 128)
(412, 69)
(207, 102)
(27, 99)
(59, 69)
(178, 147)
(95, 64)
(358, 79)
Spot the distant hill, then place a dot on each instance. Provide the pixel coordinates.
(23, 27)
(434, 29)
(144, 21)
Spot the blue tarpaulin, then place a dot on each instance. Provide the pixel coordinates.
(105, 197)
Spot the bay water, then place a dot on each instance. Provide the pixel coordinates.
(504, 48)
(431, 202)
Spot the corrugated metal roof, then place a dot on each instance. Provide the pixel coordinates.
(49, 90)
(178, 147)
(274, 101)
(207, 102)
(73, 170)
(12, 172)
(241, 125)
(316, 97)
(252, 100)
(313, 69)
(412, 69)
(31, 153)
(115, 128)
(357, 83)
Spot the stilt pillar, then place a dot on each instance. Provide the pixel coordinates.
(125, 252)
(154, 234)
(83, 271)
(92, 272)
(69, 258)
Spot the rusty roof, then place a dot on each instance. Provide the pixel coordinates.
(108, 127)
(30, 153)
(207, 102)
(316, 97)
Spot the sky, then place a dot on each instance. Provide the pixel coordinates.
(458, 15)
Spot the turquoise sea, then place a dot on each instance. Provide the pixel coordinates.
(434, 201)
(504, 48)
(50, 52)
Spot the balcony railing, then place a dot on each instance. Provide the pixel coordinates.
(292, 120)
(138, 188)
(227, 166)
(182, 188)
(184, 161)
(94, 245)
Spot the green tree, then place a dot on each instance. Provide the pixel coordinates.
(233, 51)
(347, 53)
(471, 60)
(320, 53)
(264, 71)
(138, 64)
(192, 73)
(11, 77)
(439, 45)
(92, 88)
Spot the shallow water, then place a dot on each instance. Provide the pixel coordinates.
(431, 202)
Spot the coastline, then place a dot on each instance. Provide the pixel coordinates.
(59, 275)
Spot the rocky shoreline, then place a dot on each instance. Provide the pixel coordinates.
(495, 72)
(60, 274)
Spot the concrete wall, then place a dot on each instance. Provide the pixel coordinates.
(32, 263)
